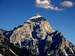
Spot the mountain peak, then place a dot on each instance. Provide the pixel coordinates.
(36, 16)
(36, 37)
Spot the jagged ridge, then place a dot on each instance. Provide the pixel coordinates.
(35, 37)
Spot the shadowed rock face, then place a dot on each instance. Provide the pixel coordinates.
(1, 36)
(35, 37)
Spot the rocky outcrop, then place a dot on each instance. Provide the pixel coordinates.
(25, 32)
(36, 37)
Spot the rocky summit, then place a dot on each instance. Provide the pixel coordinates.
(35, 37)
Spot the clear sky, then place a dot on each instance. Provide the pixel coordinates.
(15, 12)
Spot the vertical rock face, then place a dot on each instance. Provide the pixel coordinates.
(35, 37)
(36, 24)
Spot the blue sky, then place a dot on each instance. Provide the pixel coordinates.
(15, 12)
